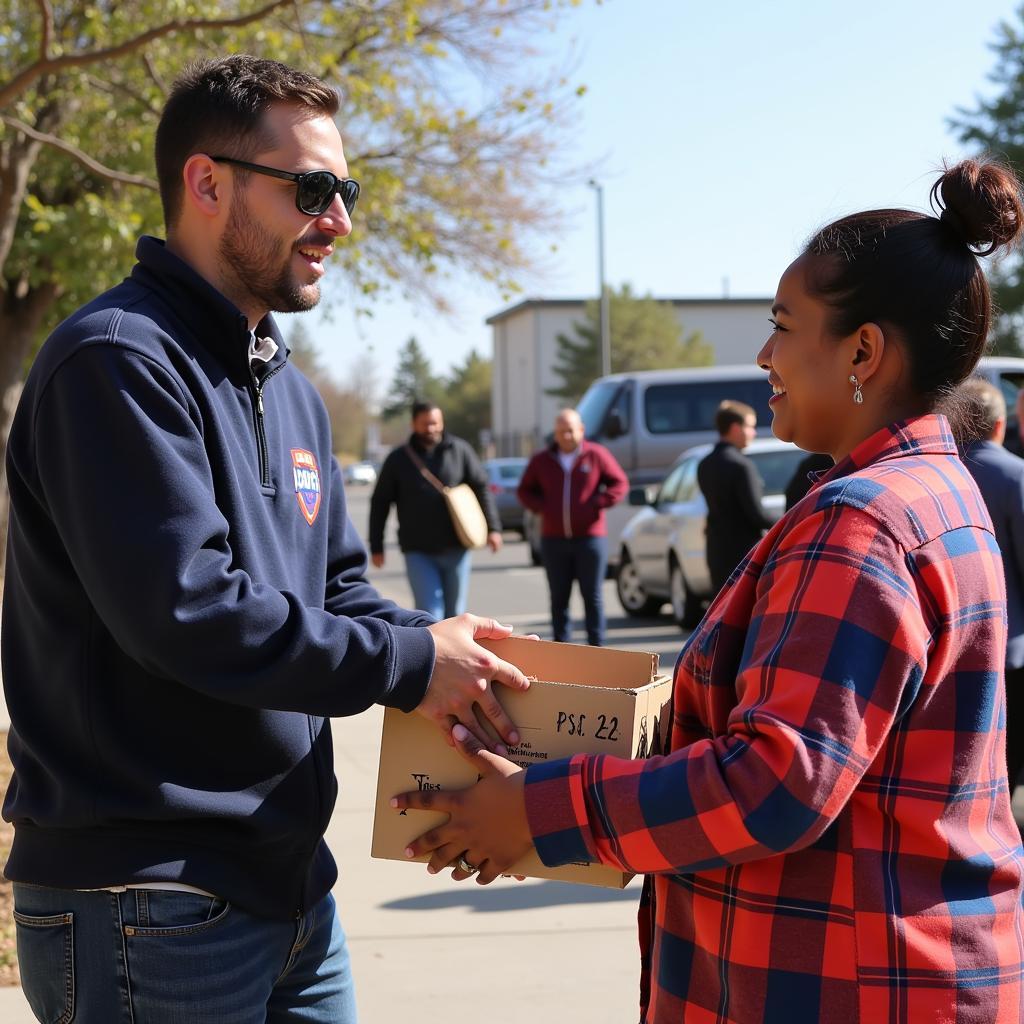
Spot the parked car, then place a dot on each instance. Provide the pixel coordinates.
(359, 473)
(647, 417)
(662, 548)
(503, 476)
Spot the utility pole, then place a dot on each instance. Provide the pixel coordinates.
(606, 327)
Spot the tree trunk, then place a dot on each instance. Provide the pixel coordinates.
(22, 310)
(17, 155)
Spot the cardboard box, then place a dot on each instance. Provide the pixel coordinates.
(584, 700)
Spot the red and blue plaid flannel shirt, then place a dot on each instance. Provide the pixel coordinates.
(830, 838)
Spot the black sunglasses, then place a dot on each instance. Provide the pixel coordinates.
(315, 191)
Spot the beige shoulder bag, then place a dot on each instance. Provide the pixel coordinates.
(463, 507)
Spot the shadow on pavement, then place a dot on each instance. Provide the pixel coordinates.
(480, 566)
(483, 900)
(668, 634)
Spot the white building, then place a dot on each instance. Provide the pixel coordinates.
(525, 347)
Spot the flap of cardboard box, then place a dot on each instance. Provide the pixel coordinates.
(553, 662)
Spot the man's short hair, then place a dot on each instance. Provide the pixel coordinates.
(730, 413)
(974, 409)
(217, 106)
(418, 408)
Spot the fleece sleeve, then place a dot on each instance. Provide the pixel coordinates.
(124, 471)
(347, 591)
(530, 492)
(614, 483)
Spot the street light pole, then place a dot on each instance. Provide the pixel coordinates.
(606, 329)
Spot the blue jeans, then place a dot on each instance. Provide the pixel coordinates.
(439, 580)
(576, 558)
(146, 956)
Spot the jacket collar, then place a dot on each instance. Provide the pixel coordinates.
(441, 445)
(921, 435)
(584, 448)
(217, 322)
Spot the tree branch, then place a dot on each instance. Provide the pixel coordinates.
(77, 154)
(382, 154)
(46, 35)
(115, 86)
(298, 25)
(151, 70)
(24, 78)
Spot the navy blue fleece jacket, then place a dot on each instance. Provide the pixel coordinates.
(185, 604)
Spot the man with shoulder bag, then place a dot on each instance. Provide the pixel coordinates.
(427, 480)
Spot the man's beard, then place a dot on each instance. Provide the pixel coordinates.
(251, 260)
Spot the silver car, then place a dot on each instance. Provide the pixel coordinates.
(662, 549)
(503, 477)
(359, 473)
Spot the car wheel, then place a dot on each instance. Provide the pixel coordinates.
(687, 608)
(633, 596)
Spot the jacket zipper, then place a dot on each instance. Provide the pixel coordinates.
(256, 386)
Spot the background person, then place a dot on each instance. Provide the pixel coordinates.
(186, 602)
(732, 489)
(802, 480)
(830, 838)
(435, 561)
(569, 485)
(1016, 443)
(978, 410)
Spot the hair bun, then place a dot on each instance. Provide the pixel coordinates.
(980, 200)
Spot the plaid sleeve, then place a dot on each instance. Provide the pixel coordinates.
(833, 653)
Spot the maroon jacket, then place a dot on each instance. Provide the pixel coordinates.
(573, 507)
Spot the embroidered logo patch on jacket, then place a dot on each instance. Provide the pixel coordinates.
(307, 483)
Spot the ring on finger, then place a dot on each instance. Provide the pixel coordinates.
(464, 865)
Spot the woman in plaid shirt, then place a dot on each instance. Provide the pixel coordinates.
(830, 838)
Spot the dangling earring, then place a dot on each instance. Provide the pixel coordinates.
(858, 395)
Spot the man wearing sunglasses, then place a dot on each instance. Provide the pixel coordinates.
(186, 602)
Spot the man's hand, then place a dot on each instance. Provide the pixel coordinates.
(487, 824)
(494, 541)
(378, 559)
(462, 676)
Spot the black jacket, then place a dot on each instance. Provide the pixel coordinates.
(185, 604)
(732, 489)
(800, 482)
(423, 521)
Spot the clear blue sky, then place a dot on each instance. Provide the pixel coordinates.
(728, 132)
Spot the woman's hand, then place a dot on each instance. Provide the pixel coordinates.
(486, 825)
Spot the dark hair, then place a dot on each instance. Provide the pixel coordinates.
(419, 407)
(730, 413)
(919, 275)
(217, 107)
(974, 409)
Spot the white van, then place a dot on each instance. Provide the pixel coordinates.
(648, 417)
